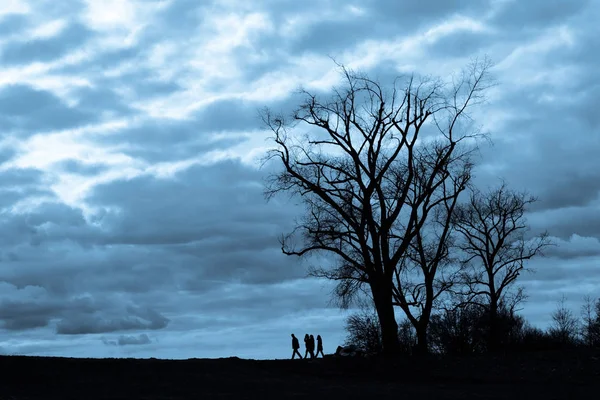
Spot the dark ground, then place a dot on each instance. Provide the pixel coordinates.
(550, 375)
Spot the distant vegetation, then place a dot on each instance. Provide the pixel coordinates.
(466, 330)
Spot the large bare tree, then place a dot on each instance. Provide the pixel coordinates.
(370, 167)
(495, 247)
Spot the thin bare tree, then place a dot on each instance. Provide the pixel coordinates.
(590, 327)
(493, 228)
(565, 325)
(370, 166)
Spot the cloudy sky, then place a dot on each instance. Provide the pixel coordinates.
(132, 218)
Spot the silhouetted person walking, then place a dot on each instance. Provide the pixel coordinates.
(295, 347)
(319, 346)
(311, 349)
(306, 345)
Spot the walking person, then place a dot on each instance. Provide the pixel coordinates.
(295, 347)
(311, 350)
(319, 347)
(306, 345)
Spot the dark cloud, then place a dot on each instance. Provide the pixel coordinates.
(328, 37)
(28, 307)
(195, 251)
(80, 168)
(236, 239)
(536, 14)
(184, 139)
(58, 9)
(125, 340)
(25, 110)
(550, 276)
(21, 178)
(292, 8)
(427, 10)
(97, 63)
(17, 316)
(377, 13)
(229, 115)
(46, 49)
(253, 299)
(573, 188)
(146, 85)
(183, 16)
(461, 44)
(586, 112)
(138, 318)
(69, 270)
(6, 154)
(576, 247)
(374, 20)
(225, 186)
(12, 24)
(585, 49)
(51, 222)
(102, 98)
(564, 222)
(57, 214)
(542, 158)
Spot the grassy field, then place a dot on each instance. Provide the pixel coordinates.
(551, 375)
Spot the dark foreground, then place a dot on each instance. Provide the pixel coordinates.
(554, 375)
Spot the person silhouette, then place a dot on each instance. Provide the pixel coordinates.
(311, 350)
(319, 346)
(306, 345)
(295, 347)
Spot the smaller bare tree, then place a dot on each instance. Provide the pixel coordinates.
(565, 325)
(495, 248)
(590, 328)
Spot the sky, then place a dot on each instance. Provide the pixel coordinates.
(132, 215)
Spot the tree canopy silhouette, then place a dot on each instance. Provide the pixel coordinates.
(375, 167)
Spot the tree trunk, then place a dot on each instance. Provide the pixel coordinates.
(387, 320)
(422, 340)
(493, 328)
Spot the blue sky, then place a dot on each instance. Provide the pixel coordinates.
(132, 217)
